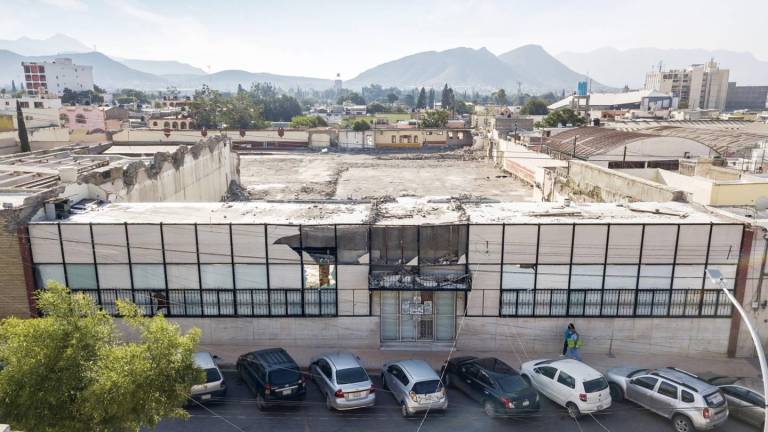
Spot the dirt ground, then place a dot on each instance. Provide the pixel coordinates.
(311, 175)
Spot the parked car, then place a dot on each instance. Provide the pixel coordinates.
(214, 386)
(273, 377)
(343, 381)
(414, 385)
(497, 386)
(569, 383)
(744, 397)
(691, 403)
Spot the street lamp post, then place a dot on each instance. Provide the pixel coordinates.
(717, 277)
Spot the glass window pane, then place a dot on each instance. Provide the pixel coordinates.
(180, 246)
(445, 315)
(520, 243)
(518, 276)
(692, 244)
(285, 276)
(114, 276)
(182, 276)
(659, 244)
(319, 276)
(146, 245)
(443, 244)
(555, 244)
(284, 244)
(729, 277)
(620, 277)
(148, 276)
(319, 244)
(552, 277)
(215, 276)
(725, 244)
(81, 276)
(655, 277)
(587, 277)
(624, 244)
(250, 276)
(109, 242)
(77, 243)
(688, 276)
(214, 243)
(485, 244)
(49, 273)
(45, 243)
(589, 244)
(352, 244)
(249, 244)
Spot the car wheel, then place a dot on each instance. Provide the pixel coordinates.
(404, 410)
(328, 402)
(489, 408)
(682, 423)
(384, 383)
(617, 394)
(573, 410)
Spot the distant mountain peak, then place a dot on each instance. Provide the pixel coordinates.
(54, 44)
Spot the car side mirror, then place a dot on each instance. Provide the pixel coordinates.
(537, 371)
(215, 357)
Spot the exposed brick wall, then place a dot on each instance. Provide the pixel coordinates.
(14, 299)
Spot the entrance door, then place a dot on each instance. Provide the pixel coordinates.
(417, 316)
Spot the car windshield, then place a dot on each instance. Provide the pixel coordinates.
(636, 373)
(351, 375)
(595, 385)
(714, 400)
(426, 387)
(512, 384)
(283, 376)
(212, 375)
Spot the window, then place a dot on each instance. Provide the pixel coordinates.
(686, 396)
(154, 123)
(443, 244)
(351, 375)
(64, 118)
(81, 276)
(394, 139)
(668, 390)
(645, 382)
(547, 371)
(175, 125)
(183, 125)
(148, 276)
(325, 368)
(24, 104)
(167, 124)
(566, 380)
(80, 118)
(38, 104)
(595, 385)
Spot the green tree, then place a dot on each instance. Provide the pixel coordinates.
(240, 112)
(562, 117)
(305, 121)
(376, 108)
(409, 100)
(360, 125)
(421, 102)
(501, 97)
(448, 99)
(463, 108)
(207, 106)
(391, 98)
(435, 119)
(431, 98)
(69, 371)
(535, 106)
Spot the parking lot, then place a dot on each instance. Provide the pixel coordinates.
(238, 412)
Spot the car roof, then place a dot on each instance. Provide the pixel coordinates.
(685, 379)
(342, 360)
(574, 368)
(203, 360)
(271, 356)
(496, 366)
(417, 369)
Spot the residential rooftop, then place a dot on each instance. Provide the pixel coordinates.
(403, 211)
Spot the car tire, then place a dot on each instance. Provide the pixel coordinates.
(573, 410)
(617, 394)
(328, 403)
(489, 409)
(404, 410)
(682, 423)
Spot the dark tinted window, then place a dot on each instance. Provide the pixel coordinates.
(496, 365)
(714, 400)
(645, 382)
(595, 385)
(548, 371)
(755, 399)
(325, 368)
(668, 390)
(351, 375)
(686, 396)
(512, 383)
(566, 380)
(426, 387)
(212, 375)
(283, 376)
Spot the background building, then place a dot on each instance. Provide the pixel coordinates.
(55, 76)
(746, 97)
(703, 86)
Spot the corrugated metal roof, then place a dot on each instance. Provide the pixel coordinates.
(591, 141)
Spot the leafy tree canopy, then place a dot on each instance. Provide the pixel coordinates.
(435, 119)
(535, 106)
(69, 371)
(562, 117)
(305, 121)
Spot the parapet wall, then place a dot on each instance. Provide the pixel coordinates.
(200, 172)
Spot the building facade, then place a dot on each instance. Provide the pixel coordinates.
(55, 76)
(703, 86)
(746, 97)
(400, 280)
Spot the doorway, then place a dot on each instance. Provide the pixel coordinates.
(418, 316)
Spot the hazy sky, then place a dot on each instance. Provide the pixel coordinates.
(320, 38)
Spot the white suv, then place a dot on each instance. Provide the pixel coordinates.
(569, 383)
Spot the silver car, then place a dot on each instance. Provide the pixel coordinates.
(744, 396)
(414, 385)
(342, 381)
(214, 386)
(690, 402)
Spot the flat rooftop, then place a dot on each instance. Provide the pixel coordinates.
(317, 176)
(403, 211)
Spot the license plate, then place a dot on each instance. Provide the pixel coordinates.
(355, 395)
(205, 397)
(286, 392)
(526, 403)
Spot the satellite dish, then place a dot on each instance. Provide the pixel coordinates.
(761, 203)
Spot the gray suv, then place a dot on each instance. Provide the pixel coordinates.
(691, 403)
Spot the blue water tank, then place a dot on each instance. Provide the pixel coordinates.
(581, 88)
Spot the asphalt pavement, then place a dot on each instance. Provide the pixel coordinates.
(238, 412)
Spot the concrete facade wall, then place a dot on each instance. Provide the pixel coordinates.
(13, 299)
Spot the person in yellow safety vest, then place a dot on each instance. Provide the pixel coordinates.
(574, 345)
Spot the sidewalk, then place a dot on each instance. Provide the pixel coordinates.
(373, 359)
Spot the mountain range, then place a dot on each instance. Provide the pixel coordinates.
(619, 67)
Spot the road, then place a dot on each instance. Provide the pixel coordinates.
(238, 412)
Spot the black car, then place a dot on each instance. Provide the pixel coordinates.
(500, 388)
(273, 376)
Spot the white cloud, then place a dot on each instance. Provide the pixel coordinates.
(76, 5)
